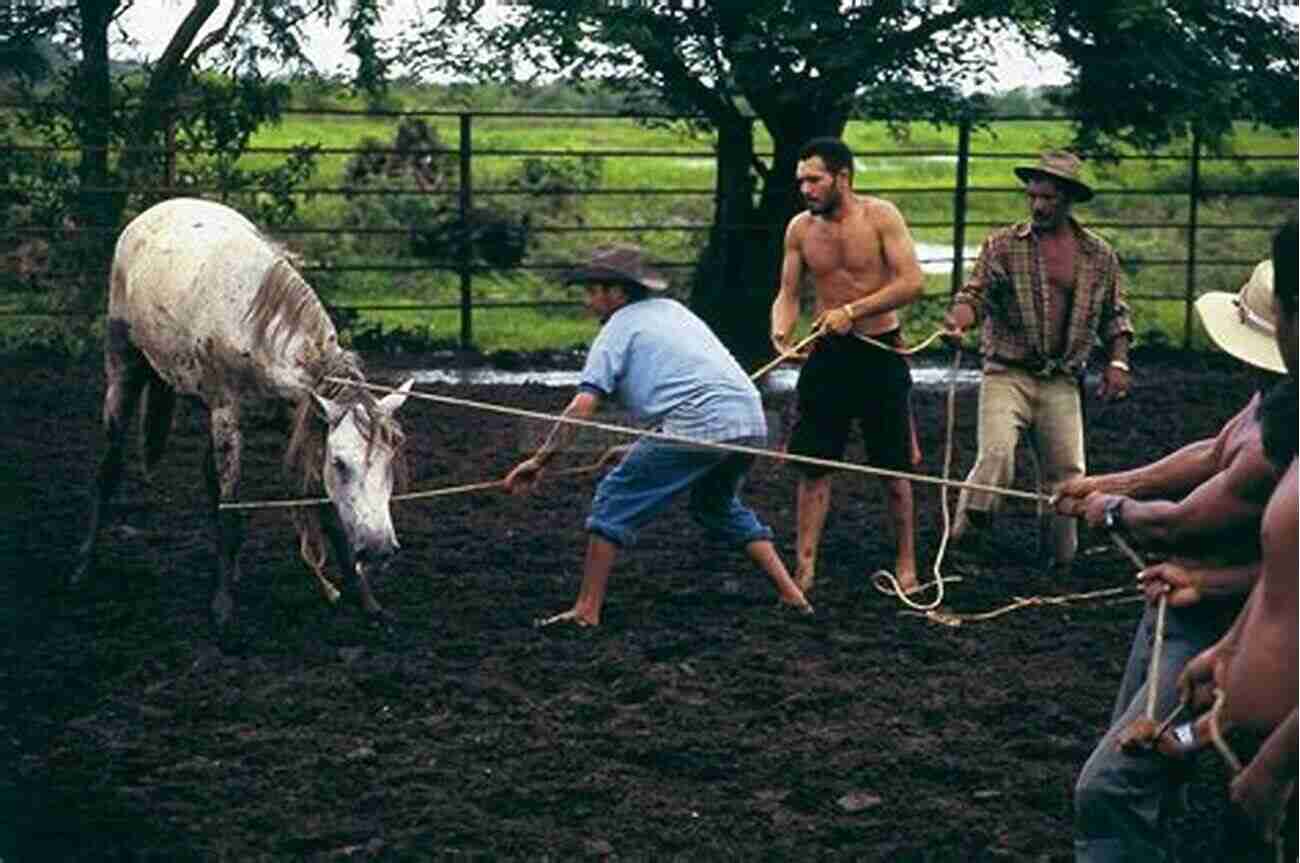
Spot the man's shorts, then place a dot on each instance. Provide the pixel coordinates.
(847, 379)
(654, 472)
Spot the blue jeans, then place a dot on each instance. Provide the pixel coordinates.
(656, 471)
(1121, 801)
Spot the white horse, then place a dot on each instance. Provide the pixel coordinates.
(201, 304)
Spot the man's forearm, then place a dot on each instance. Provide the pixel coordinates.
(562, 433)
(785, 314)
(1221, 581)
(892, 295)
(1172, 476)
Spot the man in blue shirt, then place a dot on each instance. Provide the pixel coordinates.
(665, 366)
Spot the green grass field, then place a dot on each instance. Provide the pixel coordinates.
(662, 199)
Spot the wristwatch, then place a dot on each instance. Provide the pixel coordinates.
(1113, 516)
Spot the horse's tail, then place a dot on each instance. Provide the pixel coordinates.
(156, 420)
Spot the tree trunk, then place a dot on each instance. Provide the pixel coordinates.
(740, 269)
(733, 285)
(93, 93)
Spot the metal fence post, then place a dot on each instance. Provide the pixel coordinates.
(466, 263)
(959, 204)
(1193, 205)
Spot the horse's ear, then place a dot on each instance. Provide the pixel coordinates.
(391, 402)
(330, 411)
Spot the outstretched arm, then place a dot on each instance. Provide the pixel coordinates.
(527, 472)
(1185, 582)
(1228, 503)
(1172, 476)
(1168, 478)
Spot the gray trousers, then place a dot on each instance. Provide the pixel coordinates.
(1013, 402)
(1121, 801)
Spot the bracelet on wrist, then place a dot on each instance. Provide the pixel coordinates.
(1121, 365)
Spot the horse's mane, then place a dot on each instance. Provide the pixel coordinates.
(284, 305)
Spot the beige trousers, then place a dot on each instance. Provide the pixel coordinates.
(1013, 402)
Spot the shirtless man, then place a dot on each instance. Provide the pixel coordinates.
(1046, 289)
(1215, 492)
(859, 254)
(1255, 663)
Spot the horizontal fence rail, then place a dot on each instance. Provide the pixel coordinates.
(463, 198)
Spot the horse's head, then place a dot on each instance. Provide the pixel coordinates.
(362, 444)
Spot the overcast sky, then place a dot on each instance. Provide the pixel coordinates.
(151, 23)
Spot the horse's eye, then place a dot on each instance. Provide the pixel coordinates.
(340, 466)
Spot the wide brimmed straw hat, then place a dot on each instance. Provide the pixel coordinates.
(1059, 165)
(618, 263)
(1244, 324)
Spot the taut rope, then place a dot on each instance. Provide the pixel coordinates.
(414, 495)
(702, 444)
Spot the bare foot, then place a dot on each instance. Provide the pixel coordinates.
(884, 581)
(571, 616)
(800, 605)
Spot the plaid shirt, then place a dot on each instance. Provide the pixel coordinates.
(1008, 290)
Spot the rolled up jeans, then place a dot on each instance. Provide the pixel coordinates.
(1013, 401)
(654, 472)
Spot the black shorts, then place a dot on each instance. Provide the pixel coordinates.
(847, 379)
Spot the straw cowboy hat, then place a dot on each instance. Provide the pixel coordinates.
(1243, 324)
(618, 263)
(1059, 165)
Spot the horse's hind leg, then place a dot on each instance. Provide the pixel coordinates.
(156, 425)
(126, 372)
(221, 471)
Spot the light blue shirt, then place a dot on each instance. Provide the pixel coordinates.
(665, 366)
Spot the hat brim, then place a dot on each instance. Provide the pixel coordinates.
(1221, 319)
(1080, 191)
(595, 273)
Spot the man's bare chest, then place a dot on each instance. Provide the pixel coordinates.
(828, 247)
(1058, 260)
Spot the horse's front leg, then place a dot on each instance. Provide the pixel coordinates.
(221, 470)
(356, 580)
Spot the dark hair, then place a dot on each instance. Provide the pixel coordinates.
(633, 291)
(1277, 422)
(1285, 279)
(833, 152)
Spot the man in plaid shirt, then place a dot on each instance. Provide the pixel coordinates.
(1046, 289)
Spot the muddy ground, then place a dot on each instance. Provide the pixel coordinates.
(698, 723)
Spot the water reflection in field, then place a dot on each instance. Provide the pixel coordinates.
(780, 380)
